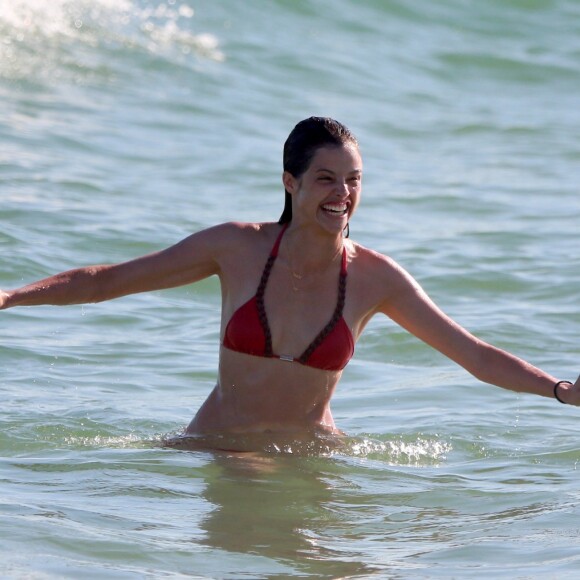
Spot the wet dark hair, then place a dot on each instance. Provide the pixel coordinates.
(305, 139)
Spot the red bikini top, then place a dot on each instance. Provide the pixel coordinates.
(248, 330)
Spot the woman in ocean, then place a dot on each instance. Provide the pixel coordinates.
(296, 296)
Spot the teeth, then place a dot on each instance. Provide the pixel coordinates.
(335, 208)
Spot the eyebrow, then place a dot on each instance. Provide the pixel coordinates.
(323, 169)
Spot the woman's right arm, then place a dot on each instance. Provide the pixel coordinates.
(194, 258)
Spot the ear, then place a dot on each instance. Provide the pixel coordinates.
(290, 182)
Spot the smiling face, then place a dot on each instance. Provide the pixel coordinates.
(328, 192)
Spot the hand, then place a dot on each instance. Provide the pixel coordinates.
(3, 299)
(572, 393)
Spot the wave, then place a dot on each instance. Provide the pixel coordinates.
(65, 38)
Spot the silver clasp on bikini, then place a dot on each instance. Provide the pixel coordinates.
(286, 357)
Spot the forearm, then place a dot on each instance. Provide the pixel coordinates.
(500, 368)
(77, 286)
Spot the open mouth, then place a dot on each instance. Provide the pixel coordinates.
(336, 209)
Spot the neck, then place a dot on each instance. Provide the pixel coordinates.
(308, 252)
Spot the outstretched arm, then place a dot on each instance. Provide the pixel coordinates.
(410, 307)
(190, 260)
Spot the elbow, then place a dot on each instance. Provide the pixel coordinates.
(481, 363)
(104, 284)
(486, 363)
(93, 284)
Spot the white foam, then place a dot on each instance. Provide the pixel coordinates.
(122, 442)
(420, 451)
(36, 35)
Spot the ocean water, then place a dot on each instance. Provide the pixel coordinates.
(127, 124)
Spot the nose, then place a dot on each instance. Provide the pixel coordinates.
(342, 188)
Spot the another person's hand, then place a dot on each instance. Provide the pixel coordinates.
(3, 299)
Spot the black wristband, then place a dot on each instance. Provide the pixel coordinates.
(556, 390)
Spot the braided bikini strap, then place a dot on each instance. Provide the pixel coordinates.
(260, 294)
(335, 316)
(268, 352)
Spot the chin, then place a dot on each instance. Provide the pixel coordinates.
(334, 225)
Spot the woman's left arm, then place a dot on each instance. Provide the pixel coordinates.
(409, 306)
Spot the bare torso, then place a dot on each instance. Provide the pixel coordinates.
(256, 394)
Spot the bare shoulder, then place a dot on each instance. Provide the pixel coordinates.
(243, 233)
(251, 232)
(229, 236)
(232, 242)
(367, 262)
(377, 274)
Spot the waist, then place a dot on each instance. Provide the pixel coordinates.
(311, 441)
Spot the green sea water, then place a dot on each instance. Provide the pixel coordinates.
(125, 125)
